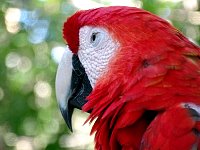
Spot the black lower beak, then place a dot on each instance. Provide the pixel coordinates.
(79, 90)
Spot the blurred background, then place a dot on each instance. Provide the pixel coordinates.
(31, 46)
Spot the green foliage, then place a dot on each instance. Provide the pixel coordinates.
(28, 105)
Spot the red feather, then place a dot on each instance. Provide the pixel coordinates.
(170, 130)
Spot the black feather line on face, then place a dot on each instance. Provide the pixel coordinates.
(80, 89)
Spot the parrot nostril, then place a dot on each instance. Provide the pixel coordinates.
(145, 63)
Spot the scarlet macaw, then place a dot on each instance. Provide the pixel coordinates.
(136, 74)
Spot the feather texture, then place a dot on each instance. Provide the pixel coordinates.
(171, 132)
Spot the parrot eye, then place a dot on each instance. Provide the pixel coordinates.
(95, 38)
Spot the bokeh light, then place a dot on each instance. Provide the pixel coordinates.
(12, 18)
(24, 143)
(12, 60)
(10, 139)
(57, 53)
(42, 89)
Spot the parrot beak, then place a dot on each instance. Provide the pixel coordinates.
(72, 86)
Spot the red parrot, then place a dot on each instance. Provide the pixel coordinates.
(137, 76)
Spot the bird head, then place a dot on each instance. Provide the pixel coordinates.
(110, 49)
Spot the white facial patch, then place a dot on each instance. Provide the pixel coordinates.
(96, 47)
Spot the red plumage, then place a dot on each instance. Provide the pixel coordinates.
(153, 72)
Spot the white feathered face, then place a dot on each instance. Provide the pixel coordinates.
(95, 50)
(77, 74)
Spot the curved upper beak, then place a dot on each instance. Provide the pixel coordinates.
(72, 86)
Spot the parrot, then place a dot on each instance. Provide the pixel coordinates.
(136, 75)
